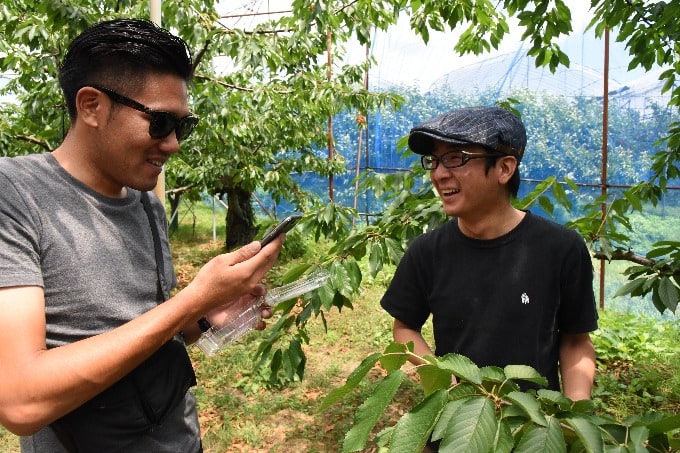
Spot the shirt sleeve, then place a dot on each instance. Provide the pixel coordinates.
(405, 298)
(578, 311)
(19, 239)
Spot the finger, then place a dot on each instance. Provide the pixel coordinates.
(243, 254)
(280, 237)
(276, 243)
(251, 262)
(266, 313)
(259, 290)
(263, 260)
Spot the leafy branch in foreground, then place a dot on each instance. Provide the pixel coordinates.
(486, 411)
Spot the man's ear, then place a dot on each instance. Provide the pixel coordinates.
(89, 106)
(506, 166)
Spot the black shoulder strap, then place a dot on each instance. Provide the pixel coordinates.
(160, 269)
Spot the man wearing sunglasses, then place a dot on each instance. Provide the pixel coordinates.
(503, 286)
(92, 345)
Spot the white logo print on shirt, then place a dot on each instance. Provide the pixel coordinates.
(525, 298)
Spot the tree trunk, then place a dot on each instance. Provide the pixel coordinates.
(240, 218)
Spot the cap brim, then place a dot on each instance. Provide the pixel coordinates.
(422, 141)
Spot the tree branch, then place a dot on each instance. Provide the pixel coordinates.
(33, 140)
(236, 87)
(179, 189)
(224, 84)
(626, 255)
(344, 7)
(199, 56)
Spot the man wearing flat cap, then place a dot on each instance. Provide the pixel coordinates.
(503, 286)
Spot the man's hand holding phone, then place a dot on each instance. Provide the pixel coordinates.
(286, 225)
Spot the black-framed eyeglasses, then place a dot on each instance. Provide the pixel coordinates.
(160, 123)
(453, 159)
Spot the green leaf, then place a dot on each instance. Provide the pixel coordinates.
(572, 185)
(461, 366)
(639, 435)
(529, 406)
(554, 398)
(368, 413)
(374, 259)
(394, 250)
(472, 428)
(411, 431)
(588, 433)
(275, 366)
(296, 359)
(493, 374)
(668, 293)
(504, 442)
(561, 196)
(543, 439)
(583, 406)
(463, 390)
(353, 380)
(664, 425)
(329, 213)
(445, 417)
(633, 199)
(395, 355)
(525, 373)
(546, 205)
(433, 378)
(294, 272)
(630, 287)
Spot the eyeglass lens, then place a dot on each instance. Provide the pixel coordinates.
(449, 160)
(453, 159)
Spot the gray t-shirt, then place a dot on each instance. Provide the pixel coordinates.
(92, 255)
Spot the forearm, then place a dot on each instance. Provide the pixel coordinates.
(42, 385)
(577, 366)
(404, 334)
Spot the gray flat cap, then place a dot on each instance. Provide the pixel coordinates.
(492, 127)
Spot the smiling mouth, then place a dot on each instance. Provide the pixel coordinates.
(157, 163)
(449, 192)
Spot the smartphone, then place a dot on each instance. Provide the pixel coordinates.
(283, 227)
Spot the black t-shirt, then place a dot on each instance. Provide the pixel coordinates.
(499, 302)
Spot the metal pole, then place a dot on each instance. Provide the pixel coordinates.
(361, 120)
(605, 132)
(155, 16)
(331, 151)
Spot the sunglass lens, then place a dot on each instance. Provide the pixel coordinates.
(162, 123)
(185, 127)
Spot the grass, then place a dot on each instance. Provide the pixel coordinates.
(239, 413)
(638, 368)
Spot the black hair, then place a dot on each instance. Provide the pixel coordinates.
(513, 183)
(121, 53)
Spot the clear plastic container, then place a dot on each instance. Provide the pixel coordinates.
(248, 316)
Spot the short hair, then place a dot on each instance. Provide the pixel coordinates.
(121, 53)
(515, 179)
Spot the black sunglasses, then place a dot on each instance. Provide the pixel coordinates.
(161, 123)
(453, 159)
